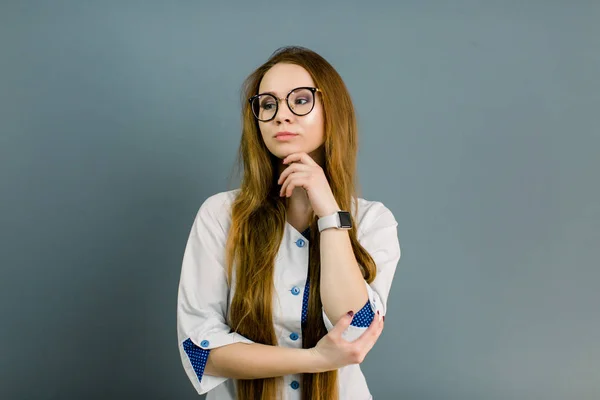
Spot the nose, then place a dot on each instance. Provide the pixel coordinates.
(284, 114)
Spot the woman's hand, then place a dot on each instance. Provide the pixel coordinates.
(333, 352)
(304, 172)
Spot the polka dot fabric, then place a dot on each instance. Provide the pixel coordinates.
(305, 303)
(197, 356)
(361, 319)
(364, 317)
(306, 234)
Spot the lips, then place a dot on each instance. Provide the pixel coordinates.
(285, 133)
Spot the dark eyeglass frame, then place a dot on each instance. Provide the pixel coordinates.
(278, 99)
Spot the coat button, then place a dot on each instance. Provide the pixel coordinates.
(295, 291)
(204, 343)
(295, 385)
(294, 336)
(300, 242)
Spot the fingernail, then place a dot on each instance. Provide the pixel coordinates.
(351, 313)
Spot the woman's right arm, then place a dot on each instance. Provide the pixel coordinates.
(253, 361)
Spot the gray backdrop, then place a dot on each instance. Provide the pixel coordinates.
(479, 126)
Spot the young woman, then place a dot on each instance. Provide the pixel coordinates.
(284, 282)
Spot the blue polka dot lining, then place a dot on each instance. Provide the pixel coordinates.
(198, 357)
(305, 303)
(364, 317)
(306, 234)
(361, 319)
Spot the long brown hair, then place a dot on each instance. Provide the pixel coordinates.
(259, 216)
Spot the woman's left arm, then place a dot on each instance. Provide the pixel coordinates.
(342, 285)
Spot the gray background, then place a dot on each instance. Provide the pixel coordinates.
(479, 126)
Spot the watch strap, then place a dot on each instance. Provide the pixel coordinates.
(335, 221)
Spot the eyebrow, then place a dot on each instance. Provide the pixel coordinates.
(286, 93)
(269, 92)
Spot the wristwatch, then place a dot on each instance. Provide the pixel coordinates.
(339, 220)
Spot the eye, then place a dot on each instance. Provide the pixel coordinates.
(301, 101)
(267, 105)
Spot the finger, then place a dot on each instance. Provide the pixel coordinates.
(370, 335)
(379, 329)
(290, 169)
(290, 187)
(300, 157)
(298, 179)
(282, 190)
(343, 324)
(286, 183)
(371, 338)
(381, 324)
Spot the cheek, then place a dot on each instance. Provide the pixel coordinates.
(263, 129)
(314, 122)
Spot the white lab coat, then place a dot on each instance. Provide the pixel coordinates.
(204, 296)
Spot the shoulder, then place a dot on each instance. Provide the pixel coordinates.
(369, 212)
(219, 203)
(216, 209)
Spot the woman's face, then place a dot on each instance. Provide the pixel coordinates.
(308, 129)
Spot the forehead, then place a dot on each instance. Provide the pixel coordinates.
(282, 78)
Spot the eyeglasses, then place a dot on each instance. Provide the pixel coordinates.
(300, 101)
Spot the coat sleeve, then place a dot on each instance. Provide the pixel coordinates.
(379, 236)
(202, 299)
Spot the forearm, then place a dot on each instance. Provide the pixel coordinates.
(342, 284)
(257, 361)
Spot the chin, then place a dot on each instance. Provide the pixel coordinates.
(280, 154)
(283, 153)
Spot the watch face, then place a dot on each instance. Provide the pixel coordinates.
(345, 220)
